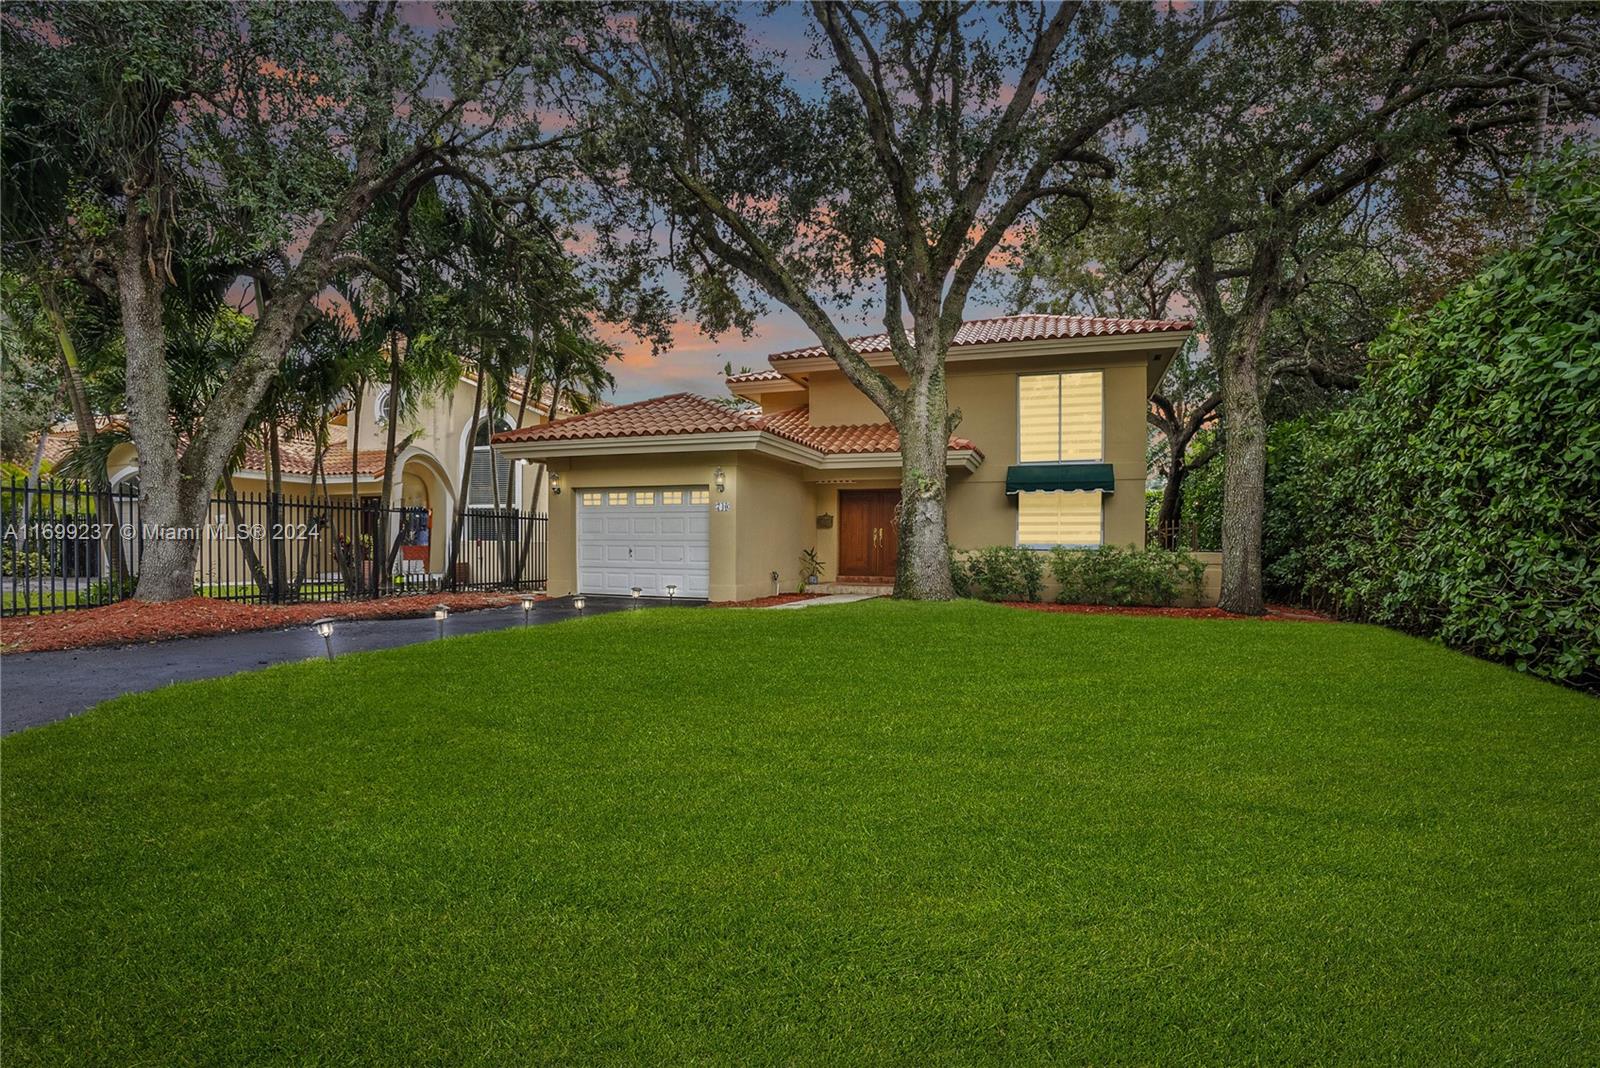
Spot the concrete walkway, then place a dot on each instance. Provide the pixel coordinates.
(832, 598)
(38, 688)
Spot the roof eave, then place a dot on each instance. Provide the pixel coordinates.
(760, 441)
(1151, 340)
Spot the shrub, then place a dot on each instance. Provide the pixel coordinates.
(1458, 495)
(28, 561)
(998, 573)
(110, 591)
(1112, 575)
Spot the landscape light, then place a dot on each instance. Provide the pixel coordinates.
(636, 592)
(324, 627)
(527, 606)
(441, 613)
(721, 480)
(577, 602)
(672, 591)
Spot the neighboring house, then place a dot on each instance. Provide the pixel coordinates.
(681, 490)
(427, 470)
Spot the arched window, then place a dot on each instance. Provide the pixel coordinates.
(491, 472)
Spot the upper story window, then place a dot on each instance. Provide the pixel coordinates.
(1060, 417)
(490, 485)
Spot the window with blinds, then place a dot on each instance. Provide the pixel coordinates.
(491, 473)
(1045, 519)
(1060, 417)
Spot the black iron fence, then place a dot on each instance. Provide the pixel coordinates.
(67, 546)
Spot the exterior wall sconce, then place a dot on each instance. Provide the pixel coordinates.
(577, 602)
(324, 627)
(720, 478)
(775, 584)
(555, 483)
(527, 606)
(672, 592)
(441, 613)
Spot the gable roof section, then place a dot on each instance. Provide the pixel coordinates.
(1012, 328)
(685, 414)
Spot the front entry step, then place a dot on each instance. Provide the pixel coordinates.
(870, 589)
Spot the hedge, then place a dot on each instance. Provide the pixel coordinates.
(1458, 494)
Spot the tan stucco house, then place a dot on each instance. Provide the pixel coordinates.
(687, 492)
(427, 471)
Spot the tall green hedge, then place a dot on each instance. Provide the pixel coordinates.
(1458, 495)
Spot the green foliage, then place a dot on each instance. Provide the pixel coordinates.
(1112, 575)
(998, 573)
(110, 591)
(1458, 495)
(15, 562)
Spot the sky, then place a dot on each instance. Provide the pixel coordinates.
(694, 362)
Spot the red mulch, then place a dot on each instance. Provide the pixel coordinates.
(768, 602)
(1282, 613)
(1274, 611)
(139, 621)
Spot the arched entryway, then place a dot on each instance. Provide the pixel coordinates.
(425, 502)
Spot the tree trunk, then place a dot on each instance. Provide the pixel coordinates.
(83, 417)
(1245, 471)
(247, 547)
(172, 506)
(458, 527)
(1170, 518)
(275, 513)
(351, 435)
(922, 572)
(391, 409)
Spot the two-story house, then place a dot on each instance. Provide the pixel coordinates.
(427, 472)
(683, 491)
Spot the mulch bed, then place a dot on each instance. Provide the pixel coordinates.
(138, 621)
(1281, 613)
(768, 602)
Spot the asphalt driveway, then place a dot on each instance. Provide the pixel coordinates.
(38, 688)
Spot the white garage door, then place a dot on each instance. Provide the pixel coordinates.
(648, 538)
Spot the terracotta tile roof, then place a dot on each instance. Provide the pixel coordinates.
(685, 413)
(795, 425)
(755, 376)
(297, 452)
(677, 413)
(1014, 328)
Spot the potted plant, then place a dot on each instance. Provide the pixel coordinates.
(810, 569)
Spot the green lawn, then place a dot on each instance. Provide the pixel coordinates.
(876, 832)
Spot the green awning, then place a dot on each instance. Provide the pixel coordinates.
(1044, 478)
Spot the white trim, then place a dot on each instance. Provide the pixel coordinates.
(1008, 350)
(756, 389)
(759, 441)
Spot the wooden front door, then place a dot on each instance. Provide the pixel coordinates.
(869, 533)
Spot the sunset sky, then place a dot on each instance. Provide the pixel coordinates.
(695, 361)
